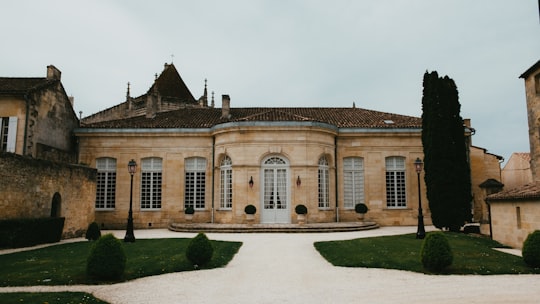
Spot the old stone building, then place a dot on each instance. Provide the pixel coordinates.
(37, 117)
(218, 160)
(38, 154)
(515, 212)
(517, 170)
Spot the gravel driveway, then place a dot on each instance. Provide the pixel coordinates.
(286, 268)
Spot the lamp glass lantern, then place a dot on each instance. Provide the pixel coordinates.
(418, 165)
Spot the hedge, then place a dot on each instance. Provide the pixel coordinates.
(24, 232)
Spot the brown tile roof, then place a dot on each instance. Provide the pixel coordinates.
(529, 191)
(170, 84)
(18, 86)
(209, 117)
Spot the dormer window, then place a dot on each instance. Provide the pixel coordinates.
(388, 122)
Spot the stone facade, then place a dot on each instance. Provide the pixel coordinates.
(248, 147)
(44, 114)
(532, 96)
(484, 166)
(514, 220)
(517, 171)
(34, 188)
(515, 212)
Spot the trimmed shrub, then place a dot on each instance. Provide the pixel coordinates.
(199, 250)
(361, 208)
(24, 232)
(250, 209)
(436, 253)
(531, 249)
(107, 259)
(189, 210)
(300, 209)
(93, 232)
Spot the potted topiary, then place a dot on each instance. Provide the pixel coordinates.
(361, 210)
(250, 211)
(189, 211)
(301, 211)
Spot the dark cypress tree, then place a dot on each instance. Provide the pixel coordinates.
(447, 171)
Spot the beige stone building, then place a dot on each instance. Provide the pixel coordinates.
(485, 179)
(515, 212)
(218, 160)
(38, 156)
(517, 170)
(37, 117)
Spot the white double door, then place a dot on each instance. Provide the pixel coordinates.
(275, 195)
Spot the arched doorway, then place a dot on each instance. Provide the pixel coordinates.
(56, 205)
(275, 190)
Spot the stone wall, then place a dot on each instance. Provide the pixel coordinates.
(34, 188)
(512, 221)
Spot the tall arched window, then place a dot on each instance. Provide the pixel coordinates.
(324, 183)
(106, 183)
(353, 181)
(226, 183)
(195, 183)
(396, 196)
(151, 181)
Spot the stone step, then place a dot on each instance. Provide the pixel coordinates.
(272, 228)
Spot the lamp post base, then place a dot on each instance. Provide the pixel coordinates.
(130, 236)
(421, 231)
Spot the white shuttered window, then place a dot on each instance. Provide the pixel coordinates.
(353, 181)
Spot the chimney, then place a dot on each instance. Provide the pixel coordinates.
(53, 73)
(225, 106)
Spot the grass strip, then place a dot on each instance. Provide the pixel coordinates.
(49, 297)
(65, 264)
(472, 254)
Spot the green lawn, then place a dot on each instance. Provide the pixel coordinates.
(65, 264)
(472, 254)
(49, 297)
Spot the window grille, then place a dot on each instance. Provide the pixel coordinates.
(151, 183)
(395, 182)
(226, 183)
(106, 183)
(353, 181)
(324, 184)
(195, 183)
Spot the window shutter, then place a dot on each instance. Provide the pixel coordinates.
(12, 134)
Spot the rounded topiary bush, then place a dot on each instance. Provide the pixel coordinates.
(199, 250)
(250, 209)
(300, 209)
(189, 210)
(531, 249)
(107, 259)
(361, 208)
(436, 253)
(93, 232)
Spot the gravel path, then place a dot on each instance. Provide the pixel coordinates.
(286, 268)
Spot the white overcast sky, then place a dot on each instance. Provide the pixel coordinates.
(288, 53)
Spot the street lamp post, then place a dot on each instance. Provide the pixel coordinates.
(130, 237)
(421, 231)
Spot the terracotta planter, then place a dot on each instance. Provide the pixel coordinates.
(250, 218)
(301, 219)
